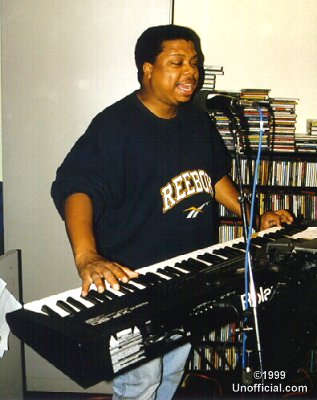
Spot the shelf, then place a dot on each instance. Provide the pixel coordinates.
(283, 156)
(211, 343)
(304, 190)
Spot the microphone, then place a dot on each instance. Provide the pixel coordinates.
(221, 101)
(208, 102)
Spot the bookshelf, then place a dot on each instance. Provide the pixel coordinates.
(217, 350)
(287, 179)
(287, 175)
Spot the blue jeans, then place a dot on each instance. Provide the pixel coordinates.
(158, 379)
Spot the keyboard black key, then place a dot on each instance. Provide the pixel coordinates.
(178, 271)
(212, 259)
(240, 245)
(233, 252)
(173, 272)
(226, 252)
(101, 296)
(155, 278)
(165, 272)
(92, 299)
(129, 287)
(51, 313)
(185, 267)
(109, 295)
(260, 241)
(123, 290)
(196, 263)
(76, 303)
(274, 235)
(143, 281)
(66, 307)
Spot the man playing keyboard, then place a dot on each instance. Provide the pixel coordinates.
(141, 184)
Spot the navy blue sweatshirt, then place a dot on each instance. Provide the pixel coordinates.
(151, 181)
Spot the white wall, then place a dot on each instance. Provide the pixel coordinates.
(270, 44)
(0, 117)
(62, 62)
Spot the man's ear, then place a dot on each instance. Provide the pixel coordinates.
(147, 70)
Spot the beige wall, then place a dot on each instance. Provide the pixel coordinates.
(269, 44)
(62, 62)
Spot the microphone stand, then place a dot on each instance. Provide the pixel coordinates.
(226, 103)
(246, 370)
(237, 153)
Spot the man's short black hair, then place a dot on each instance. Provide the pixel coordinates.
(149, 44)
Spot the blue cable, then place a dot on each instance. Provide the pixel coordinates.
(249, 233)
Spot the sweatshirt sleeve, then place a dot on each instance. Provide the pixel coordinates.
(90, 167)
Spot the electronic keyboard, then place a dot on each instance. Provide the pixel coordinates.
(94, 338)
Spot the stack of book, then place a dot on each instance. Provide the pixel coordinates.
(251, 118)
(223, 119)
(277, 119)
(306, 143)
(211, 73)
(223, 126)
(311, 125)
(255, 95)
(283, 123)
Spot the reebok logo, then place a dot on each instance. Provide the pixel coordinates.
(194, 211)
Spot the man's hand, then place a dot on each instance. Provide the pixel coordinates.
(227, 194)
(94, 269)
(275, 218)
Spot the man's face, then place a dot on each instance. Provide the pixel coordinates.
(173, 78)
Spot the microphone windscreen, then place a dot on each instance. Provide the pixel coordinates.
(200, 100)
